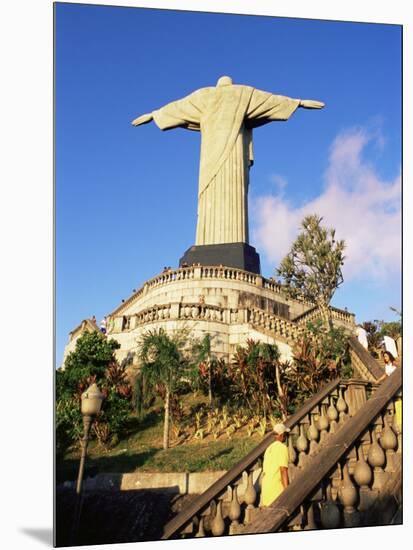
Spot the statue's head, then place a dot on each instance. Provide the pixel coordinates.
(224, 81)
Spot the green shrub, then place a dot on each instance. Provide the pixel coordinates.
(93, 360)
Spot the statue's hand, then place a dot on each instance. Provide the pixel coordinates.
(311, 104)
(144, 119)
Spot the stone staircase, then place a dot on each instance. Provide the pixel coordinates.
(345, 468)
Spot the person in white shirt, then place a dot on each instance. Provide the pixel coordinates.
(102, 326)
(389, 365)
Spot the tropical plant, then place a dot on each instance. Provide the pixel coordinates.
(318, 357)
(254, 376)
(165, 368)
(312, 268)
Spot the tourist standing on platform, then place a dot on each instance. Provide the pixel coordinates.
(275, 467)
(389, 365)
(102, 326)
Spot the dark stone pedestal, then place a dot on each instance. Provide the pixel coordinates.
(239, 255)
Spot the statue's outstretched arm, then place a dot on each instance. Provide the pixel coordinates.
(311, 104)
(143, 119)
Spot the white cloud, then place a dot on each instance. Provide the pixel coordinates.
(364, 209)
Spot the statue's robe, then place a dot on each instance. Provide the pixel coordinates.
(225, 116)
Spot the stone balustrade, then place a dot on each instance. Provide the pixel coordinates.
(353, 479)
(314, 313)
(272, 324)
(363, 363)
(204, 273)
(171, 275)
(222, 273)
(261, 320)
(343, 448)
(229, 273)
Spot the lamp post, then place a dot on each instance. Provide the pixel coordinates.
(91, 403)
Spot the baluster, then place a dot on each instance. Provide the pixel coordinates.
(234, 512)
(250, 497)
(201, 531)
(292, 455)
(301, 445)
(291, 451)
(347, 494)
(388, 442)
(341, 406)
(218, 525)
(310, 523)
(379, 426)
(312, 434)
(332, 415)
(363, 476)
(377, 459)
(323, 424)
(335, 481)
(329, 512)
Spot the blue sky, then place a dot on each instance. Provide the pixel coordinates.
(126, 197)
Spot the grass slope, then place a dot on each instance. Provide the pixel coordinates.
(141, 450)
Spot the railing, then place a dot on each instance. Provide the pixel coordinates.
(334, 436)
(229, 273)
(314, 313)
(260, 320)
(237, 485)
(204, 272)
(363, 363)
(353, 479)
(273, 325)
(155, 313)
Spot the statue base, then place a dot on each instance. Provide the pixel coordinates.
(239, 255)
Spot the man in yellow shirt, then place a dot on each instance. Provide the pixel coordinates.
(275, 467)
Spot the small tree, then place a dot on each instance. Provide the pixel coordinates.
(92, 355)
(164, 368)
(312, 268)
(377, 329)
(93, 360)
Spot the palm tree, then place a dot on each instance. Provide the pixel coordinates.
(163, 367)
(203, 354)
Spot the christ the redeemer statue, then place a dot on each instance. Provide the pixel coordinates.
(225, 115)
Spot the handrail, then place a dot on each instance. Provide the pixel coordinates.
(203, 500)
(372, 366)
(278, 326)
(314, 313)
(272, 518)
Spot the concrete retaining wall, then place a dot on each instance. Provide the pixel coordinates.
(182, 483)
